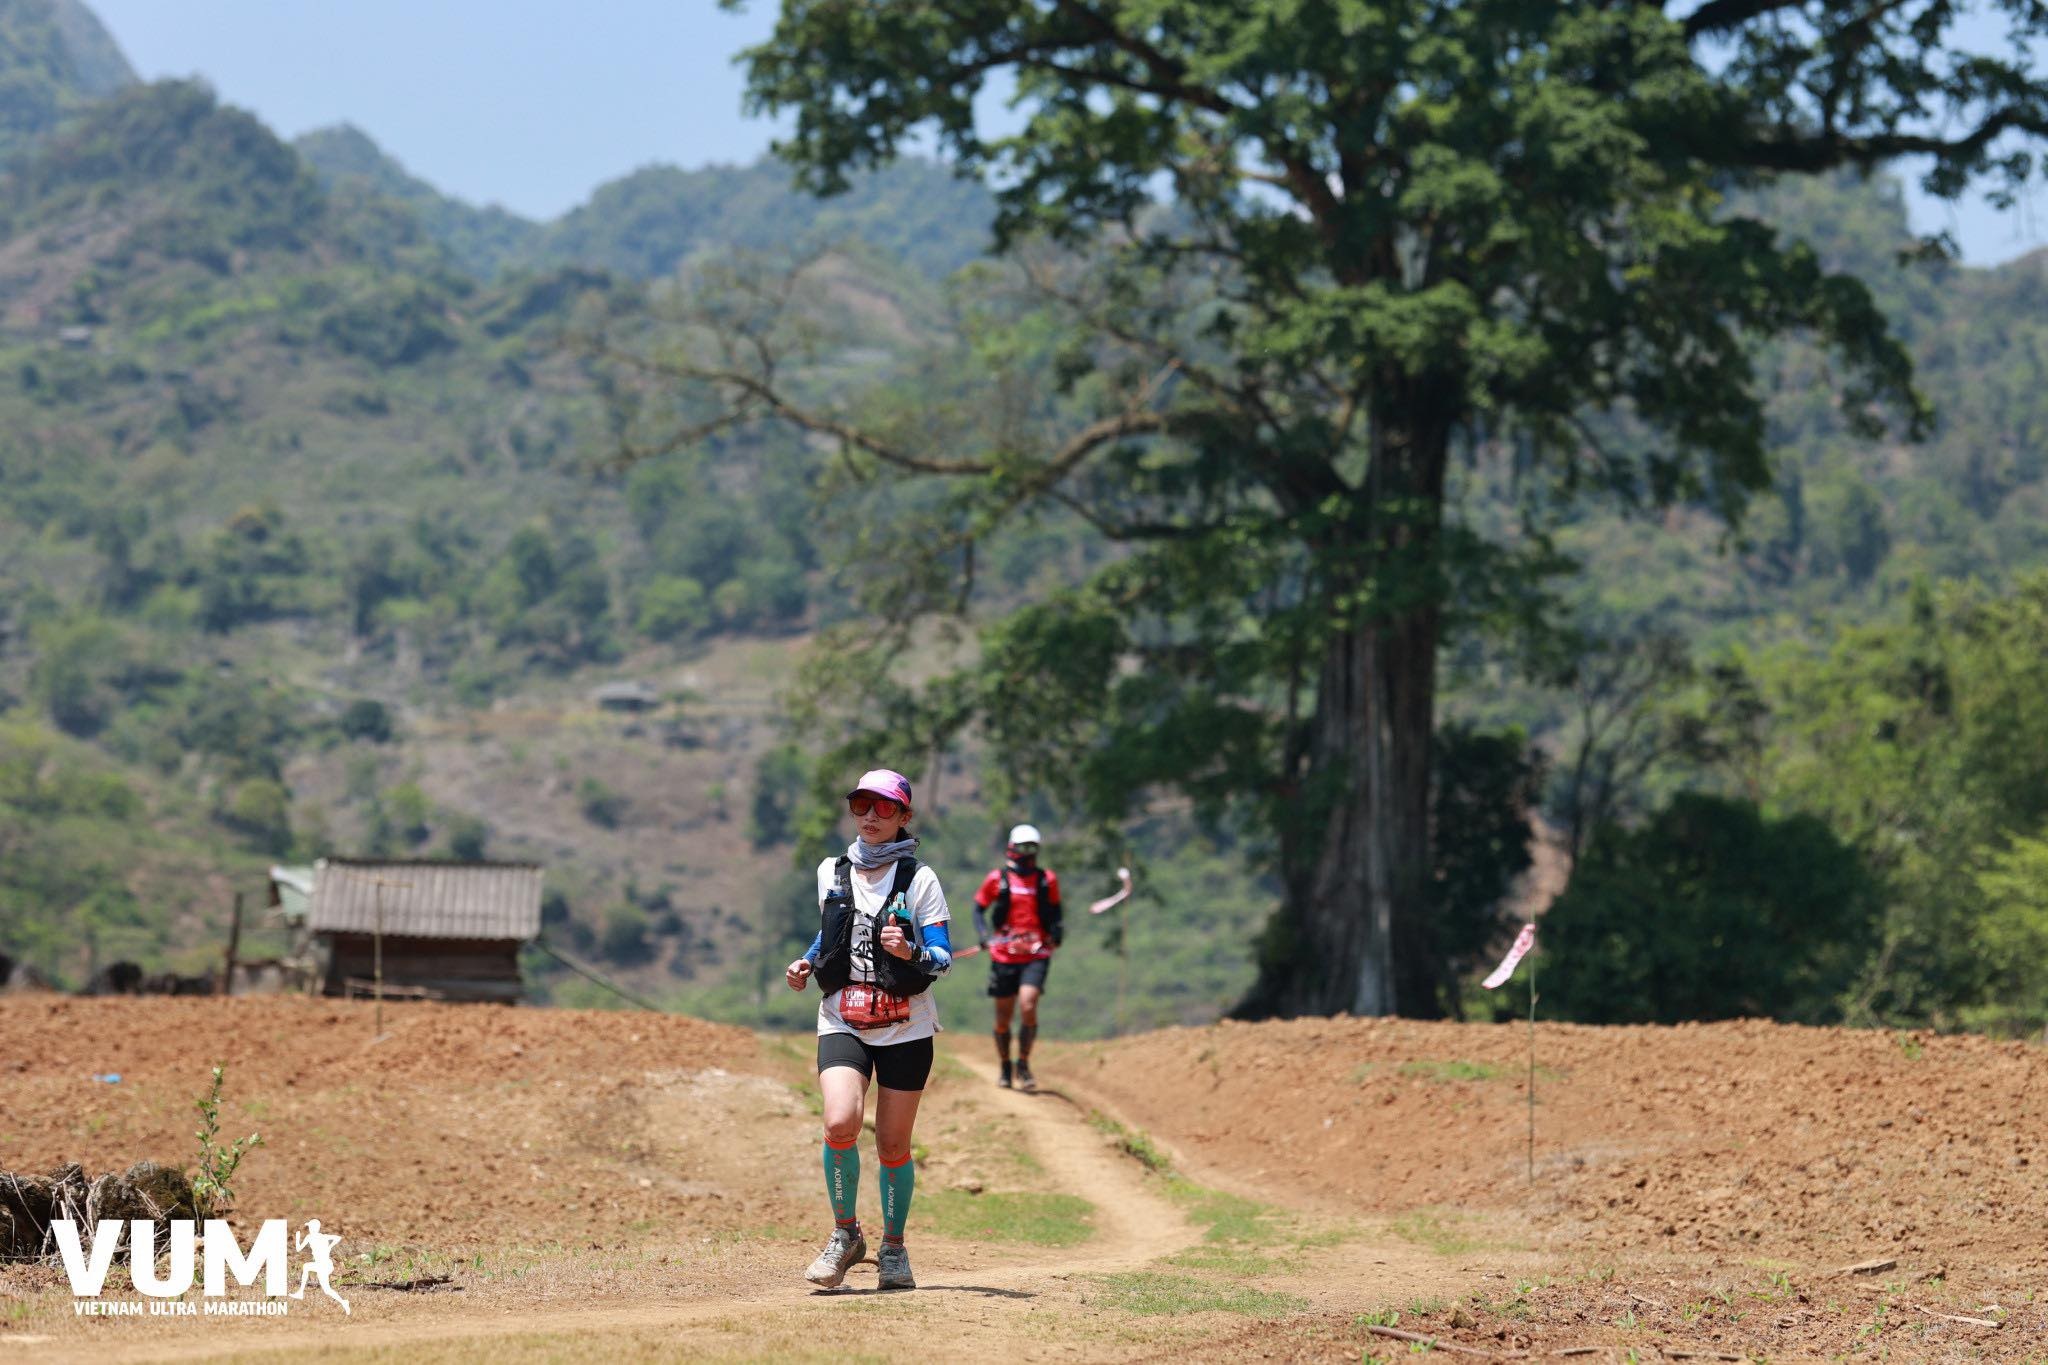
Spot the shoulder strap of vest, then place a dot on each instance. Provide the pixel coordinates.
(842, 875)
(906, 873)
(1041, 893)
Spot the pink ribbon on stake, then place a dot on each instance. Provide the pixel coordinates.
(1524, 941)
(1123, 874)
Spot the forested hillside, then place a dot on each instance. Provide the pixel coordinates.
(314, 537)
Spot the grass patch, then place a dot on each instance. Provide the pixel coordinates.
(1155, 1293)
(947, 1067)
(1230, 1260)
(1049, 1220)
(1227, 1217)
(1446, 1234)
(1133, 1142)
(1453, 1071)
(1458, 1069)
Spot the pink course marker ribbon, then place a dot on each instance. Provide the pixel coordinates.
(1123, 874)
(1524, 941)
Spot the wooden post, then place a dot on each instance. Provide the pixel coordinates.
(377, 959)
(227, 981)
(376, 939)
(1532, 1068)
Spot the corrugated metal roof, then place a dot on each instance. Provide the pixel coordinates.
(427, 899)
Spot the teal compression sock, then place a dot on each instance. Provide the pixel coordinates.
(842, 1178)
(898, 1181)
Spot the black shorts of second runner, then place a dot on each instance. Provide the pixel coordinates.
(900, 1066)
(1004, 978)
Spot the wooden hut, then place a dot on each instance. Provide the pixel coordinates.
(448, 930)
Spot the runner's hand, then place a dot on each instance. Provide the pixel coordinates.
(894, 942)
(798, 973)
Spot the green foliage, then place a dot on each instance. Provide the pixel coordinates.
(625, 934)
(650, 222)
(366, 718)
(600, 805)
(672, 608)
(1922, 741)
(1484, 788)
(550, 596)
(244, 570)
(357, 172)
(213, 1190)
(223, 180)
(2013, 933)
(260, 809)
(468, 838)
(1710, 911)
(409, 812)
(779, 779)
(1255, 392)
(54, 58)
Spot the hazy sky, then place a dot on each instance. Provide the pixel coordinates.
(534, 103)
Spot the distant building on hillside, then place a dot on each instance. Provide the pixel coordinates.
(626, 696)
(449, 930)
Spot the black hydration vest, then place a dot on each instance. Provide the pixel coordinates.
(835, 958)
(999, 908)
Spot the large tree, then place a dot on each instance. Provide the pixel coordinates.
(1306, 255)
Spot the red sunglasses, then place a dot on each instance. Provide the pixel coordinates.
(880, 805)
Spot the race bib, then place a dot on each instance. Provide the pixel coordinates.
(866, 1007)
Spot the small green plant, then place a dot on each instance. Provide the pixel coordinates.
(1385, 1317)
(213, 1189)
(1910, 1046)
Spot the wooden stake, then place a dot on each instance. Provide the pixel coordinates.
(227, 981)
(1532, 1068)
(377, 964)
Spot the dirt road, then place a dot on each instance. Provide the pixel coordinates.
(568, 1186)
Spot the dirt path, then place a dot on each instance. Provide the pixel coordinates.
(1134, 1223)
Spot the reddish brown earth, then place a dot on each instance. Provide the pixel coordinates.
(628, 1186)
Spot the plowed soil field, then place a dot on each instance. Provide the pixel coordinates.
(536, 1184)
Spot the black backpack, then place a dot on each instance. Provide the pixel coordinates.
(835, 960)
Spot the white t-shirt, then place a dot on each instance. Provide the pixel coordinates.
(927, 904)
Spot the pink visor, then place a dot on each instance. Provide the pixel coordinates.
(882, 782)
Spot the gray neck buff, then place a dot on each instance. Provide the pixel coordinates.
(867, 855)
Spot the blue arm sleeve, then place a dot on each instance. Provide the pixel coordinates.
(980, 923)
(817, 946)
(937, 956)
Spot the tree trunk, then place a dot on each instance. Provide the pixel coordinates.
(1353, 934)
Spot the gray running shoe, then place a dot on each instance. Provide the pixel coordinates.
(840, 1255)
(1005, 1081)
(1025, 1080)
(893, 1260)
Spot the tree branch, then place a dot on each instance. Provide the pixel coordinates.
(1719, 16)
(1128, 530)
(1807, 155)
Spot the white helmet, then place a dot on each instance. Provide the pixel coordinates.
(1024, 834)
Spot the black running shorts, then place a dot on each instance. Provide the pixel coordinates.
(1004, 978)
(901, 1066)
